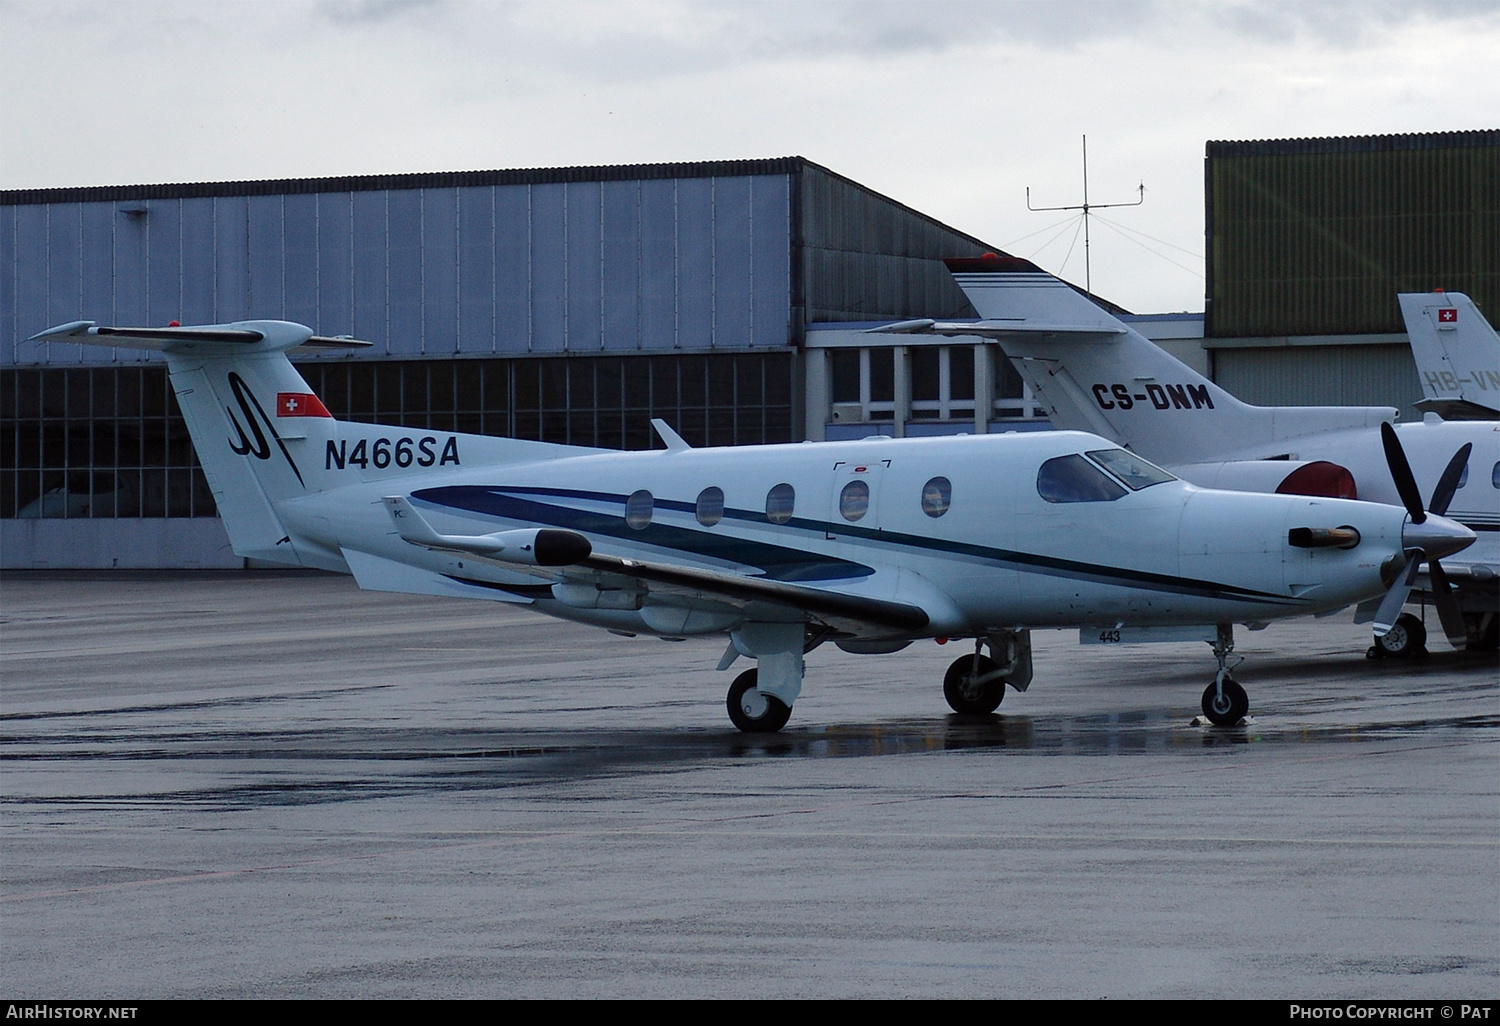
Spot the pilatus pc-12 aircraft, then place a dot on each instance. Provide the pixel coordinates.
(1093, 372)
(870, 544)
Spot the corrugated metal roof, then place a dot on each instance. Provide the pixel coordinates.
(424, 180)
(1355, 143)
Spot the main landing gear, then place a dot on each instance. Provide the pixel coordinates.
(752, 710)
(1224, 701)
(975, 684)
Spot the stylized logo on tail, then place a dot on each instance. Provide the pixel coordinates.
(251, 408)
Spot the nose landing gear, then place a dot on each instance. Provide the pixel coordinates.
(1224, 701)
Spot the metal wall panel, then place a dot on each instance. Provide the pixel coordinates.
(1363, 375)
(476, 271)
(549, 267)
(659, 264)
(264, 243)
(369, 257)
(733, 269)
(199, 283)
(585, 329)
(231, 258)
(620, 275)
(299, 264)
(403, 252)
(335, 265)
(439, 273)
(695, 263)
(1317, 236)
(513, 270)
(561, 263)
(869, 258)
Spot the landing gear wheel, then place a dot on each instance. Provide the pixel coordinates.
(967, 693)
(752, 711)
(1406, 638)
(1227, 709)
(1484, 631)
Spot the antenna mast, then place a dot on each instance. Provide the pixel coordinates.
(1088, 280)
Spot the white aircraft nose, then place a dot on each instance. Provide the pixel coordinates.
(1436, 536)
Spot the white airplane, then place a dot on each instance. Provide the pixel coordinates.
(870, 544)
(1095, 373)
(1457, 355)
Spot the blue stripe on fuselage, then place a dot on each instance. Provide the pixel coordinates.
(784, 564)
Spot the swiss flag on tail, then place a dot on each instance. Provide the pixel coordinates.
(300, 404)
(1448, 315)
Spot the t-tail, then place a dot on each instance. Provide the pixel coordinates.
(1457, 355)
(1093, 372)
(264, 438)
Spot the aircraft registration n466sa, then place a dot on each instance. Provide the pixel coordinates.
(870, 544)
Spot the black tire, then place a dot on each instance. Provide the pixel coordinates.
(964, 695)
(1229, 709)
(1407, 637)
(765, 714)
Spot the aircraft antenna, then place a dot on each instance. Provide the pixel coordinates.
(1088, 281)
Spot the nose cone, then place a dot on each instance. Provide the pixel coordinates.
(1436, 536)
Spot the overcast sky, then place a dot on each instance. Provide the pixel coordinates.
(954, 108)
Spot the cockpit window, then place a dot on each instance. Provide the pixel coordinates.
(1130, 468)
(1075, 479)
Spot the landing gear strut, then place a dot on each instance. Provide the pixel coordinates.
(754, 711)
(1224, 701)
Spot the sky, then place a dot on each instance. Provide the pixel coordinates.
(954, 108)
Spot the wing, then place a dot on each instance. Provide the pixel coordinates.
(567, 558)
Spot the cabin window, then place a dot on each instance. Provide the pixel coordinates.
(854, 501)
(1130, 468)
(1074, 479)
(779, 503)
(1495, 475)
(638, 509)
(710, 506)
(936, 495)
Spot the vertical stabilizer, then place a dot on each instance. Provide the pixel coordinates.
(1095, 373)
(1457, 354)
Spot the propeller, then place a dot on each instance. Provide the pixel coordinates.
(1428, 536)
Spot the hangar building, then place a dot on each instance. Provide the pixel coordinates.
(570, 305)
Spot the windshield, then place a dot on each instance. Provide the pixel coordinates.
(1130, 468)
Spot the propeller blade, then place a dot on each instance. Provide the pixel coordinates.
(1442, 494)
(1447, 606)
(1406, 484)
(1390, 606)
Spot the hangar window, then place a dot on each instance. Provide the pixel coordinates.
(854, 501)
(779, 503)
(710, 506)
(638, 509)
(936, 496)
(1074, 479)
(1130, 468)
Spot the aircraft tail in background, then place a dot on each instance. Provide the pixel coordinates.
(1457, 355)
(1093, 372)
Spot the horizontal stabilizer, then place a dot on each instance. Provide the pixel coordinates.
(999, 329)
(240, 336)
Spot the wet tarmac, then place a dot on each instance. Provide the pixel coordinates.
(273, 785)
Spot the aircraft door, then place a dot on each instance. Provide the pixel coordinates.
(855, 507)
